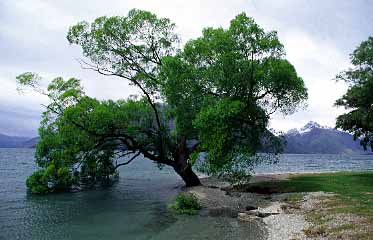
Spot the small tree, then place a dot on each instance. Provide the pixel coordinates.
(359, 96)
(215, 95)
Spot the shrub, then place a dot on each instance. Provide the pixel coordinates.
(37, 182)
(49, 180)
(186, 203)
(64, 179)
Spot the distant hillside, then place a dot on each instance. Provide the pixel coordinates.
(11, 141)
(17, 142)
(314, 138)
(31, 143)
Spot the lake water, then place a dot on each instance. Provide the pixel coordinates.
(293, 163)
(134, 208)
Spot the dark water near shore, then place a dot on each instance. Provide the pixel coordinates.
(134, 208)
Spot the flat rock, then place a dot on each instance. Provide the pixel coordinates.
(245, 217)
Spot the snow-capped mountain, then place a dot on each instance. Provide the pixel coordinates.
(308, 128)
(314, 138)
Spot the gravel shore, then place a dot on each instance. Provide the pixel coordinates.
(271, 211)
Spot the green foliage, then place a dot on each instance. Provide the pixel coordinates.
(219, 90)
(59, 179)
(50, 179)
(27, 78)
(79, 130)
(130, 47)
(37, 183)
(358, 99)
(64, 179)
(223, 87)
(186, 203)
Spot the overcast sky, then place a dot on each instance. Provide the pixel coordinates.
(318, 36)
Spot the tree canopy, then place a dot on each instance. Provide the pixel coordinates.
(215, 95)
(359, 96)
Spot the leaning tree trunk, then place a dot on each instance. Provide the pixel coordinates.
(189, 177)
(182, 167)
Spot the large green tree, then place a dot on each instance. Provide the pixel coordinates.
(359, 97)
(215, 95)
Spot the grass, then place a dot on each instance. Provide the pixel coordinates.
(295, 197)
(354, 189)
(354, 195)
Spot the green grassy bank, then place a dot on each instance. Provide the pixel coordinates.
(352, 206)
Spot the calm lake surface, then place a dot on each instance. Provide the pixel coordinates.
(134, 208)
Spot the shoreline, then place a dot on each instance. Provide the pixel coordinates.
(281, 215)
(267, 210)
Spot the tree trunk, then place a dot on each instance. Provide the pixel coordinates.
(189, 177)
(182, 167)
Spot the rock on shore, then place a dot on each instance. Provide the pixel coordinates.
(267, 209)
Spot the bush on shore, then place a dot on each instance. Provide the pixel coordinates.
(186, 203)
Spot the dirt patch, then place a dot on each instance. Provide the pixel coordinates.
(260, 189)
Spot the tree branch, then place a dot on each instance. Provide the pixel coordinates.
(148, 97)
(128, 162)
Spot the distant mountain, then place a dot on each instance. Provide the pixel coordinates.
(31, 143)
(17, 142)
(314, 138)
(11, 141)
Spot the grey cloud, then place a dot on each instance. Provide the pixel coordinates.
(20, 122)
